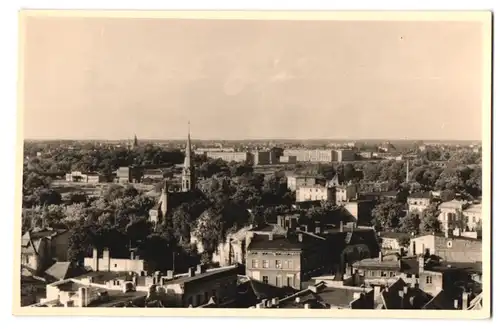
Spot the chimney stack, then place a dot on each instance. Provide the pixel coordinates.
(307, 305)
(274, 301)
(191, 272)
(380, 256)
(376, 293)
(95, 260)
(200, 269)
(341, 227)
(299, 236)
(270, 237)
(421, 264)
(317, 230)
(132, 254)
(455, 304)
(465, 300)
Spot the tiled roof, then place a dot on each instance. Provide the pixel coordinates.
(419, 195)
(279, 242)
(206, 275)
(392, 235)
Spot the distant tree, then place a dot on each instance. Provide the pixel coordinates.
(386, 215)
(430, 220)
(404, 241)
(371, 172)
(410, 223)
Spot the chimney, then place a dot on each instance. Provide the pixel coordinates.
(132, 254)
(299, 236)
(200, 269)
(270, 237)
(376, 293)
(134, 280)
(307, 305)
(465, 300)
(170, 274)
(341, 227)
(297, 300)
(380, 256)
(446, 233)
(421, 264)
(263, 303)
(274, 301)
(317, 230)
(106, 259)
(191, 272)
(455, 304)
(95, 260)
(405, 290)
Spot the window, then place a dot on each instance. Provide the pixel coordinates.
(392, 274)
(372, 273)
(428, 279)
(265, 279)
(278, 264)
(383, 274)
(289, 264)
(255, 263)
(289, 281)
(473, 219)
(116, 265)
(278, 281)
(265, 263)
(449, 244)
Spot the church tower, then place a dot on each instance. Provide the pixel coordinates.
(188, 176)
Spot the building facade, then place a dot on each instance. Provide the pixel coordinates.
(231, 156)
(448, 247)
(284, 261)
(315, 193)
(306, 155)
(106, 263)
(294, 182)
(418, 202)
(40, 248)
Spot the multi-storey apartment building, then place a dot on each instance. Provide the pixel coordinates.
(306, 155)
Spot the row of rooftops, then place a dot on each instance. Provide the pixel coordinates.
(397, 295)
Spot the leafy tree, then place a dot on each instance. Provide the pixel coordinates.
(371, 172)
(386, 215)
(404, 241)
(430, 220)
(410, 223)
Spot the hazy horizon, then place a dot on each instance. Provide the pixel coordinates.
(108, 79)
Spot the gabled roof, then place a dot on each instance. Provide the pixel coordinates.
(62, 271)
(419, 195)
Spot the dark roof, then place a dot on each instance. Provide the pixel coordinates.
(214, 274)
(116, 298)
(415, 298)
(393, 235)
(46, 232)
(60, 271)
(280, 242)
(420, 195)
(103, 277)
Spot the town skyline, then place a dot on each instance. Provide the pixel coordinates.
(248, 79)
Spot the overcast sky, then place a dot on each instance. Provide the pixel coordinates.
(108, 78)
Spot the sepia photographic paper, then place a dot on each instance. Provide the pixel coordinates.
(262, 164)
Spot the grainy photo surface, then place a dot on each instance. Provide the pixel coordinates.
(278, 164)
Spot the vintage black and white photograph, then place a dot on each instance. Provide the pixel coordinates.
(254, 163)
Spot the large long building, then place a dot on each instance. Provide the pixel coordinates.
(231, 156)
(321, 155)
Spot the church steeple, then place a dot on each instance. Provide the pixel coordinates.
(188, 178)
